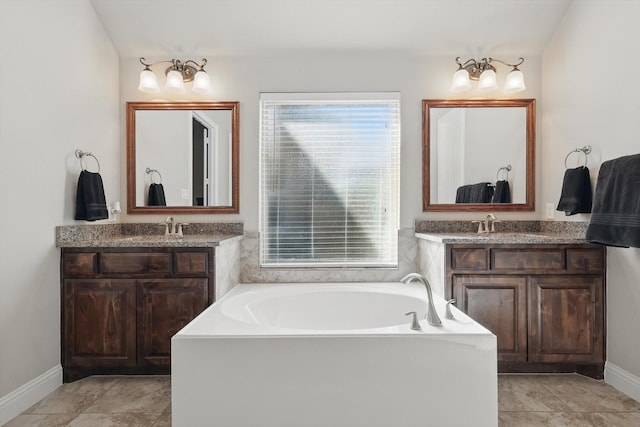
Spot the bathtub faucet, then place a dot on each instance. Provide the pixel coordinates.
(432, 315)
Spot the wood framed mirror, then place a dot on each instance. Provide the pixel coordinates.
(183, 157)
(478, 155)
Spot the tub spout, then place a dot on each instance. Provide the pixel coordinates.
(432, 315)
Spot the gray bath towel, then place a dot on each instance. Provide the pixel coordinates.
(615, 220)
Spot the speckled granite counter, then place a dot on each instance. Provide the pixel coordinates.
(504, 238)
(508, 232)
(128, 235)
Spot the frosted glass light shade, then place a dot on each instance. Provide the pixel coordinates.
(460, 81)
(174, 82)
(148, 82)
(514, 82)
(202, 83)
(487, 81)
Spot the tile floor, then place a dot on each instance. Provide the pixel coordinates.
(524, 400)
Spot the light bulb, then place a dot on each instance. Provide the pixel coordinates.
(487, 81)
(514, 82)
(148, 82)
(175, 82)
(460, 81)
(202, 83)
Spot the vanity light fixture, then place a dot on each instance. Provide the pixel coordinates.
(485, 73)
(177, 74)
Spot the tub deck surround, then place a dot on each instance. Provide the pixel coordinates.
(325, 309)
(338, 354)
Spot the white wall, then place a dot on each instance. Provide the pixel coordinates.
(491, 147)
(163, 143)
(59, 86)
(416, 78)
(590, 96)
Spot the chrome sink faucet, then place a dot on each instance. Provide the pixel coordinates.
(488, 225)
(173, 228)
(431, 315)
(490, 220)
(169, 226)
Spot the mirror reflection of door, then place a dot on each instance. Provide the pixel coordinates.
(450, 155)
(201, 160)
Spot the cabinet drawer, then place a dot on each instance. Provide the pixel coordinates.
(469, 259)
(191, 262)
(527, 259)
(585, 259)
(132, 262)
(79, 263)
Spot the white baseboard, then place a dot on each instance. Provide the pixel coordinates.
(22, 398)
(623, 380)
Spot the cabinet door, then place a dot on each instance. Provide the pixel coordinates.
(499, 304)
(99, 323)
(165, 306)
(566, 319)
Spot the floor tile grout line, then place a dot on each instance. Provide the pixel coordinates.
(530, 378)
(591, 382)
(551, 392)
(117, 380)
(100, 395)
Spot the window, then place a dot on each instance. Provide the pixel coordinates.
(329, 179)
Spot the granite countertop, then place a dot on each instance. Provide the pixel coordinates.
(123, 241)
(525, 238)
(131, 235)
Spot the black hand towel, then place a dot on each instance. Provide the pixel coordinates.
(90, 202)
(616, 205)
(463, 194)
(502, 193)
(576, 192)
(481, 192)
(156, 195)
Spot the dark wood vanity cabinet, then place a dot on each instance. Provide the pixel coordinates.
(99, 323)
(544, 303)
(499, 304)
(121, 306)
(164, 307)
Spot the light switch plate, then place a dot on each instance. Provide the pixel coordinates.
(550, 211)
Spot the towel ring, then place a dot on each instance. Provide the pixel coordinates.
(151, 172)
(584, 150)
(506, 170)
(81, 154)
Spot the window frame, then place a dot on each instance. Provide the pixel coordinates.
(394, 146)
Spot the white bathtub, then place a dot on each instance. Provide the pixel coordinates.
(331, 355)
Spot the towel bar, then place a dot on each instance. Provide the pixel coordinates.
(506, 170)
(81, 154)
(584, 150)
(150, 172)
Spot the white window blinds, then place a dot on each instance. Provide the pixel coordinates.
(329, 179)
